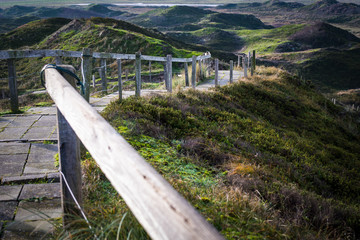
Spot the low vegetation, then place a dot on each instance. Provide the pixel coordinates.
(266, 158)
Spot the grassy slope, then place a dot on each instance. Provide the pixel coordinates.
(270, 158)
(31, 33)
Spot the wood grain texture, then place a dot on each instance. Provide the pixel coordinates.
(69, 160)
(120, 84)
(193, 72)
(14, 100)
(231, 80)
(86, 71)
(169, 72)
(138, 74)
(216, 72)
(186, 74)
(161, 210)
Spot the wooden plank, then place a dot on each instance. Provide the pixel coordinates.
(119, 78)
(102, 75)
(182, 60)
(113, 56)
(153, 58)
(169, 72)
(138, 74)
(186, 74)
(216, 72)
(231, 71)
(202, 57)
(14, 100)
(193, 72)
(69, 159)
(162, 211)
(86, 71)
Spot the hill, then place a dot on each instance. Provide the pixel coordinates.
(31, 33)
(266, 158)
(177, 16)
(332, 7)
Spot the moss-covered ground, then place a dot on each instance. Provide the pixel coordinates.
(269, 158)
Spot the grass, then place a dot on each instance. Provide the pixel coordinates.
(26, 101)
(267, 158)
(267, 40)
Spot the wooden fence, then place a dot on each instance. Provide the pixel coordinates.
(86, 67)
(160, 209)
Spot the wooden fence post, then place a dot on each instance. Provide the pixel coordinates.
(103, 75)
(245, 63)
(231, 70)
(193, 72)
(69, 160)
(14, 100)
(105, 69)
(249, 60)
(165, 77)
(93, 80)
(149, 71)
(119, 78)
(169, 72)
(253, 61)
(238, 63)
(200, 69)
(86, 69)
(137, 74)
(216, 72)
(186, 74)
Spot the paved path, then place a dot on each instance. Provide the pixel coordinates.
(29, 187)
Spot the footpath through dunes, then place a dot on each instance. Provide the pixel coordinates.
(30, 197)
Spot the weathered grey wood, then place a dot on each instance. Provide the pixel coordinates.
(105, 68)
(14, 100)
(119, 78)
(114, 56)
(249, 60)
(193, 72)
(238, 63)
(58, 60)
(169, 72)
(161, 210)
(216, 72)
(153, 58)
(138, 74)
(186, 74)
(200, 69)
(231, 71)
(166, 77)
(102, 75)
(150, 71)
(126, 74)
(69, 159)
(86, 71)
(253, 61)
(93, 80)
(245, 63)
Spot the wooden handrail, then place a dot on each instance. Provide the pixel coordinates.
(160, 209)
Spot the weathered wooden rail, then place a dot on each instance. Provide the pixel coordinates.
(160, 209)
(86, 67)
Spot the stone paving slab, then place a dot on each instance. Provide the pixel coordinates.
(42, 110)
(13, 133)
(23, 179)
(39, 167)
(39, 133)
(14, 148)
(12, 165)
(7, 210)
(10, 193)
(46, 190)
(42, 152)
(5, 120)
(46, 121)
(40, 210)
(23, 121)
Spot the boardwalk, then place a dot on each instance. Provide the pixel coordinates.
(30, 188)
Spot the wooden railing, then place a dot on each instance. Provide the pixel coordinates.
(86, 67)
(160, 209)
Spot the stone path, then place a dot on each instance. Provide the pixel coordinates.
(29, 179)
